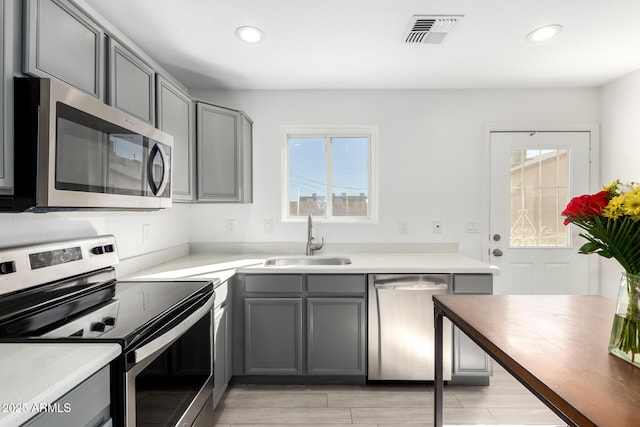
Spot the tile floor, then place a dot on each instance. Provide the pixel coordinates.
(504, 402)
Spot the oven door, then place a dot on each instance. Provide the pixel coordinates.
(171, 379)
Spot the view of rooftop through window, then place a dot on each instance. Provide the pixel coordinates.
(328, 165)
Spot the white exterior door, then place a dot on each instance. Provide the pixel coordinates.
(533, 176)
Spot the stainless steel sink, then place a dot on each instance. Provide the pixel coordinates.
(306, 260)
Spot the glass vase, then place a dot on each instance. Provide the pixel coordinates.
(624, 341)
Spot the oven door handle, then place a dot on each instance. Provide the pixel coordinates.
(173, 334)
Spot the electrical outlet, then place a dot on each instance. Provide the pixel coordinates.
(231, 226)
(403, 227)
(437, 226)
(268, 225)
(146, 232)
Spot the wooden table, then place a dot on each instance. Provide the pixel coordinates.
(556, 346)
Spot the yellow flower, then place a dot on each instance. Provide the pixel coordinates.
(611, 187)
(613, 209)
(631, 205)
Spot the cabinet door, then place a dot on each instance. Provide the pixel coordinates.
(246, 154)
(336, 336)
(471, 365)
(220, 354)
(218, 154)
(273, 336)
(468, 358)
(6, 97)
(61, 42)
(87, 404)
(175, 117)
(224, 154)
(131, 83)
(228, 373)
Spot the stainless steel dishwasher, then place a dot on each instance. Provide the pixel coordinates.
(400, 325)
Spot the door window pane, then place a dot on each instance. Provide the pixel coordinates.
(539, 185)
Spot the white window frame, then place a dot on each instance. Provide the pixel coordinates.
(370, 132)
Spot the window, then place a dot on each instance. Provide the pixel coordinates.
(539, 190)
(330, 173)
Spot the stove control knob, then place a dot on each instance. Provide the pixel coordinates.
(98, 327)
(7, 267)
(98, 250)
(109, 321)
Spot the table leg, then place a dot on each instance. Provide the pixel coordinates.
(438, 384)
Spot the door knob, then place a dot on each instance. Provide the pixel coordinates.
(497, 252)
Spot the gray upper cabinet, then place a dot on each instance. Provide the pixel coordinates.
(175, 116)
(131, 83)
(74, 55)
(224, 155)
(6, 88)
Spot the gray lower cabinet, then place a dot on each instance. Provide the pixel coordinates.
(89, 404)
(175, 117)
(131, 83)
(222, 357)
(273, 336)
(471, 365)
(336, 336)
(224, 153)
(62, 42)
(305, 325)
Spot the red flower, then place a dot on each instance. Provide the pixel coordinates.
(586, 206)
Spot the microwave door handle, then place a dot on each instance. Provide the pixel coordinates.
(155, 151)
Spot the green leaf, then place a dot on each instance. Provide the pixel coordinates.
(589, 248)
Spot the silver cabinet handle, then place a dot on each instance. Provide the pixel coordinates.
(413, 287)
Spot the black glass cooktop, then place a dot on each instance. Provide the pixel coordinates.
(132, 313)
(146, 306)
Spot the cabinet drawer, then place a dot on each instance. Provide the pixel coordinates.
(337, 284)
(269, 283)
(472, 284)
(87, 404)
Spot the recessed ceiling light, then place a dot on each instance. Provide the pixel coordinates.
(544, 33)
(250, 34)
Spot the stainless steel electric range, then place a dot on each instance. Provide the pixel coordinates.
(67, 292)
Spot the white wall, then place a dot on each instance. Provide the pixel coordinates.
(620, 151)
(430, 157)
(168, 228)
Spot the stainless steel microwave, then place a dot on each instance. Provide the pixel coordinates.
(74, 152)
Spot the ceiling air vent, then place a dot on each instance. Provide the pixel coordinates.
(430, 29)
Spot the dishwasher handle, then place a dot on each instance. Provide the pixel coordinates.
(412, 286)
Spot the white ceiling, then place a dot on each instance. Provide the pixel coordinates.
(358, 44)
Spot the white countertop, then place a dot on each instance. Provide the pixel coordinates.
(386, 263)
(33, 374)
(218, 266)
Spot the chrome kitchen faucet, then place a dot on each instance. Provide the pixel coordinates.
(312, 247)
